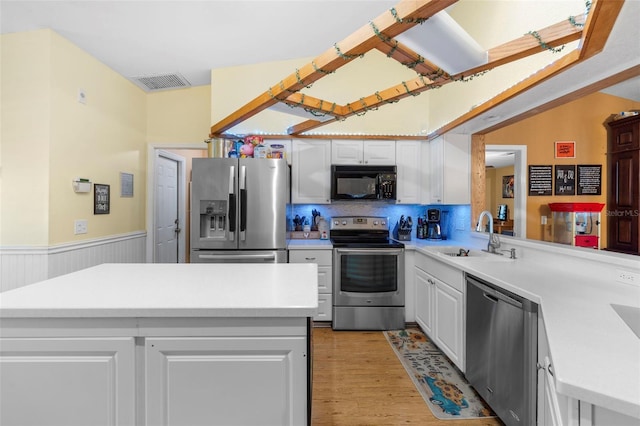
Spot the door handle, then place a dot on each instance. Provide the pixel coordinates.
(177, 228)
(490, 297)
(231, 208)
(243, 202)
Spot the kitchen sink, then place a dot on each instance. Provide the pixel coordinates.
(462, 253)
(630, 315)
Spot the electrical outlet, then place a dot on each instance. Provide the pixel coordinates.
(627, 277)
(80, 226)
(543, 220)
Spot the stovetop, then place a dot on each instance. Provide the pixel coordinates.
(361, 232)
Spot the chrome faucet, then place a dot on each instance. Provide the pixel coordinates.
(494, 240)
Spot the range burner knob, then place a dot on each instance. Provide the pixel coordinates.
(375, 223)
(344, 222)
(335, 222)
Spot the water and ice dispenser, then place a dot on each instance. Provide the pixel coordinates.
(213, 219)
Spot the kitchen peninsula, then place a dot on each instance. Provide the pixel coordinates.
(160, 344)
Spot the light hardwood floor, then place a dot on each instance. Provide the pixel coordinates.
(358, 380)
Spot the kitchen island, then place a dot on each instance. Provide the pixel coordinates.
(148, 344)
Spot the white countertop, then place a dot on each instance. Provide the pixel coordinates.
(170, 290)
(595, 355)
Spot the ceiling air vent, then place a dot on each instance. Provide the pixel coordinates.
(161, 82)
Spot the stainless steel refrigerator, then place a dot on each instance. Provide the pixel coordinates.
(238, 210)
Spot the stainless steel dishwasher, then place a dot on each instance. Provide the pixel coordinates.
(501, 350)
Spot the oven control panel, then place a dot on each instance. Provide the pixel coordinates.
(360, 223)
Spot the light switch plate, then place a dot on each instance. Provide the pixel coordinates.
(80, 226)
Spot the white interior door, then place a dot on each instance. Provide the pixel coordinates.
(167, 218)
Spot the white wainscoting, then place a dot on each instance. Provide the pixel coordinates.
(20, 266)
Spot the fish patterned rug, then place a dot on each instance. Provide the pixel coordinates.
(439, 381)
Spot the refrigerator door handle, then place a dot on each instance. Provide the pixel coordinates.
(231, 213)
(238, 257)
(243, 202)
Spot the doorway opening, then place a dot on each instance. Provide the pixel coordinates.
(510, 165)
(168, 237)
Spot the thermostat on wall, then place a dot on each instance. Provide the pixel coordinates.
(81, 185)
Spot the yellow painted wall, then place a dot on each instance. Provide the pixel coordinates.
(24, 138)
(179, 116)
(581, 121)
(67, 139)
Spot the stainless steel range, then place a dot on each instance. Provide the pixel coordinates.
(368, 275)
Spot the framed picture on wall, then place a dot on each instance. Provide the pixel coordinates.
(507, 186)
(101, 198)
(565, 149)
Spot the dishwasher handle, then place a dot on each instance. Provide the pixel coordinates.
(492, 293)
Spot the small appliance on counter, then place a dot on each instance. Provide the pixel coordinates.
(434, 229)
(430, 227)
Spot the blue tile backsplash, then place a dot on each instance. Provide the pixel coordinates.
(456, 218)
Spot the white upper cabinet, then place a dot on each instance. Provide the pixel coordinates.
(311, 172)
(371, 152)
(409, 170)
(450, 170)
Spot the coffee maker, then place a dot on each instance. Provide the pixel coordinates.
(434, 230)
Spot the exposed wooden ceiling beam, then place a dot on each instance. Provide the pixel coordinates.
(570, 97)
(379, 34)
(596, 31)
(407, 14)
(527, 45)
(558, 66)
(553, 36)
(391, 95)
(602, 17)
(401, 53)
(314, 104)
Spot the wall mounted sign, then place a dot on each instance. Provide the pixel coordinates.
(540, 180)
(507, 186)
(589, 179)
(565, 180)
(565, 149)
(101, 200)
(126, 184)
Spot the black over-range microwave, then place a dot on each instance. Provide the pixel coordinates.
(363, 182)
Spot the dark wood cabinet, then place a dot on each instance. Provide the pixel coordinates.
(623, 206)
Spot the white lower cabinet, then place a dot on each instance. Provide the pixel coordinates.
(67, 381)
(424, 300)
(440, 306)
(155, 371)
(555, 409)
(323, 258)
(226, 380)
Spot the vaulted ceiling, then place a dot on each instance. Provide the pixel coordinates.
(189, 38)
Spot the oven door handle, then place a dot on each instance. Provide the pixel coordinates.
(369, 251)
